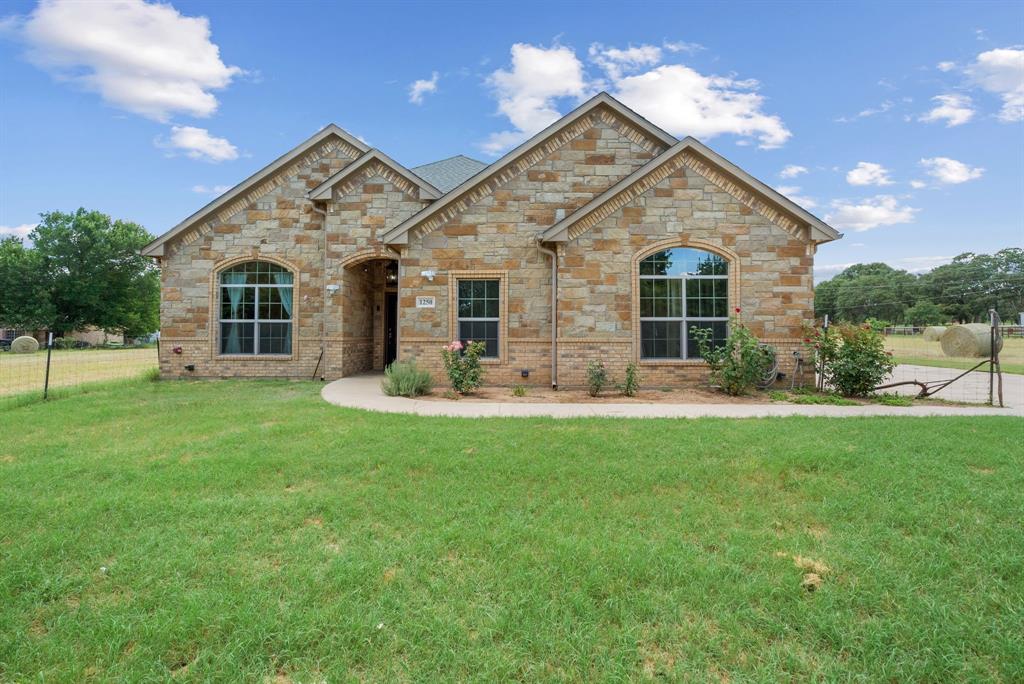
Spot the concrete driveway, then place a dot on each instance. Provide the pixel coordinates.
(971, 388)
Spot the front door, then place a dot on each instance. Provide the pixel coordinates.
(390, 327)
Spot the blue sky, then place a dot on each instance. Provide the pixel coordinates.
(900, 123)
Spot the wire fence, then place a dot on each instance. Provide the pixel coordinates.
(48, 372)
(924, 367)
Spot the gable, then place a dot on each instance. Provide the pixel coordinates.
(331, 141)
(601, 108)
(375, 163)
(700, 159)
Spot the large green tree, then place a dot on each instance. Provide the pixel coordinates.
(87, 271)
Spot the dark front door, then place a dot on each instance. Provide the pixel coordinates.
(390, 327)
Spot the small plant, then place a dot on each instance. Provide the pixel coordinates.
(406, 379)
(776, 395)
(462, 363)
(449, 394)
(518, 391)
(851, 358)
(822, 399)
(597, 377)
(892, 399)
(740, 363)
(631, 385)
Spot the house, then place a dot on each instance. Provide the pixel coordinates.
(601, 237)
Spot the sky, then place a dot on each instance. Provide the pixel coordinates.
(900, 124)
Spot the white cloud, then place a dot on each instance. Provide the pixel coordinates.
(950, 171)
(793, 193)
(685, 102)
(673, 96)
(792, 171)
(422, 87)
(21, 232)
(617, 61)
(527, 93)
(865, 113)
(144, 58)
(197, 143)
(954, 109)
(918, 184)
(873, 212)
(210, 190)
(945, 66)
(1001, 71)
(868, 173)
(683, 46)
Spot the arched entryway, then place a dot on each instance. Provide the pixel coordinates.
(369, 314)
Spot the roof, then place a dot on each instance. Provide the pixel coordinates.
(323, 191)
(819, 230)
(399, 234)
(156, 247)
(449, 173)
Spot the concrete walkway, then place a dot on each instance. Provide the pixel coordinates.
(363, 392)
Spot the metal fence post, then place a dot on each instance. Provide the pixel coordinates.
(49, 351)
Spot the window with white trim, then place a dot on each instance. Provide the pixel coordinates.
(256, 309)
(479, 313)
(681, 290)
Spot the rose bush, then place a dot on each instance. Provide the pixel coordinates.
(462, 364)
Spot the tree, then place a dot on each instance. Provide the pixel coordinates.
(90, 273)
(24, 298)
(874, 290)
(924, 313)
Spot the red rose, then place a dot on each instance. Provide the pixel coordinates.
(737, 309)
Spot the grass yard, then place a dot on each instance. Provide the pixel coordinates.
(916, 350)
(25, 372)
(248, 531)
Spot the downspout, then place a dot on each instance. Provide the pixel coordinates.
(323, 278)
(554, 310)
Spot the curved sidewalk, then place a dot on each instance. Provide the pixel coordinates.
(363, 392)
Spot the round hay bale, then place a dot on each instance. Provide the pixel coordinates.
(24, 345)
(933, 332)
(970, 340)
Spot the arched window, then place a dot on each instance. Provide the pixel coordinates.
(256, 309)
(681, 290)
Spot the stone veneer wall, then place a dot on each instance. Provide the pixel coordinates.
(276, 222)
(770, 276)
(495, 237)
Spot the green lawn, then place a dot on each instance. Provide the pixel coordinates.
(238, 531)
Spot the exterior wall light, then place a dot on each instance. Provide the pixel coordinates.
(429, 274)
(333, 288)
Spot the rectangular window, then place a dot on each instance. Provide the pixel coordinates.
(479, 313)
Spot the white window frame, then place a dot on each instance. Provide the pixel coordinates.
(684, 338)
(471, 319)
(256, 313)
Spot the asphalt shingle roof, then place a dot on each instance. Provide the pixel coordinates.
(450, 173)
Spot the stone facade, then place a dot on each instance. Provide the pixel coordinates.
(338, 249)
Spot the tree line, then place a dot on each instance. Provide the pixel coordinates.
(961, 291)
(79, 270)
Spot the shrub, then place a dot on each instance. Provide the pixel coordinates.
(462, 363)
(406, 379)
(631, 384)
(518, 391)
(62, 343)
(852, 359)
(738, 365)
(597, 377)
